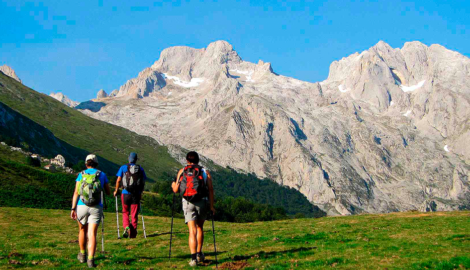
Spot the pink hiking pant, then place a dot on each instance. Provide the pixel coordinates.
(129, 204)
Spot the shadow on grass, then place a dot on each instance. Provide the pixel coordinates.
(267, 255)
(208, 232)
(164, 233)
(124, 261)
(188, 256)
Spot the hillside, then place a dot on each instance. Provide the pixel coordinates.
(47, 238)
(53, 128)
(109, 142)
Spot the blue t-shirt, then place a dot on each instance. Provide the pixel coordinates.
(103, 180)
(123, 170)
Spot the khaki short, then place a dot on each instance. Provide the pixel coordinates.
(195, 210)
(89, 214)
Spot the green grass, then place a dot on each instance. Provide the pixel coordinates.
(47, 238)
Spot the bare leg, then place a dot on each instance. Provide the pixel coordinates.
(192, 236)
(92, 230)
(82, 235)
(200, 235)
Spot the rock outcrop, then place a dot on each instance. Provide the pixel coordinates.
(113, 93)
(9, 72)
(101, 94)
(64, 99)
(385, 132)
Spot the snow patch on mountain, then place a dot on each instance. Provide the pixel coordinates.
(342, 89)
(193, 83)
(412, 88)
(247, 73)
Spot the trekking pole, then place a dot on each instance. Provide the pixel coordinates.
(171, 231)
(102, 225)
(215, 248)
(143, 223)
(117, 218)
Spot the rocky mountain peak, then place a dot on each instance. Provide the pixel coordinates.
(9, 72)
(101, 94)
(64, 99)
(113, 93)
(222, 52)
(187, 63)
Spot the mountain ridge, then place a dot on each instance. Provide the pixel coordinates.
(349, 143)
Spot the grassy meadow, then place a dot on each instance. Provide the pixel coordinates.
(44, 239)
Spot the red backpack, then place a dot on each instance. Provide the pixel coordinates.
(192, 185)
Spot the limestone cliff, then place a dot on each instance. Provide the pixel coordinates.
(387, 131)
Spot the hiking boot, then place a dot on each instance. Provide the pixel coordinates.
(201, 258)
(126, 232)
(81, 257)
(91, 263)
(192, 263)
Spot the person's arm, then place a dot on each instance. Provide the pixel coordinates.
(118, 183)
(107, 189)
(176, 185)
(144, 177)
(211, 191)
(105, 180)
(73, 214)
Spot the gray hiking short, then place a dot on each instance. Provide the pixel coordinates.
(89, 214)
(195, 210)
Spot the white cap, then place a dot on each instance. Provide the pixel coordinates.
(91, 157)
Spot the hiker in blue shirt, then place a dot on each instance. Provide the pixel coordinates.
(132, 177)
(87, 207)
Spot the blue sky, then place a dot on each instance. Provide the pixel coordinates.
(79, 47)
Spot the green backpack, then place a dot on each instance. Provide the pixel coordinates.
(90, 188)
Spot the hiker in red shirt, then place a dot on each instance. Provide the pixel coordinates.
(195, 184)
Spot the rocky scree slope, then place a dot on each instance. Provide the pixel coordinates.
(385, 132)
